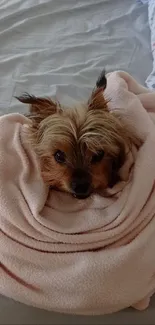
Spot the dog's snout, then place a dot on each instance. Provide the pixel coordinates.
(80, 187)
(81, 184)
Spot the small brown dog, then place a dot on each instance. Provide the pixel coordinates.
(81, 149)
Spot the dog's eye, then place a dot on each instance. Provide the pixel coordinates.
(97, 157)
(60, 156)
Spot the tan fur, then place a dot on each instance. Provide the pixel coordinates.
(80, 132)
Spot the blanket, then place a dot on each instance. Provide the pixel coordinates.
(94, 256)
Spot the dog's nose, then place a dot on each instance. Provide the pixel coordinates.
(81, 184)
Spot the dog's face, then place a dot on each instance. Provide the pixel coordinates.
(80, 149)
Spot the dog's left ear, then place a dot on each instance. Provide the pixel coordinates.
(39, 106)
(97, 100)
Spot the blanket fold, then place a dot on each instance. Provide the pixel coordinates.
(84, 257)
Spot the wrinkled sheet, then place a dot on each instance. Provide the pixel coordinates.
(151, 16)
(58, 47)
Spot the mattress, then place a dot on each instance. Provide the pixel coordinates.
(58, 48)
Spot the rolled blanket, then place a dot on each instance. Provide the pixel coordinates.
(93, 256)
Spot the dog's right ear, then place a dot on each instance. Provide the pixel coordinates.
(102, 81)
(39, 107)
(97, 100)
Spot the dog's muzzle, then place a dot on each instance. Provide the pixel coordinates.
(81, 184)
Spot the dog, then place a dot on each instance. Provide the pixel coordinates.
(80, 149)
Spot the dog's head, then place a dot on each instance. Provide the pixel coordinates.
(80, 149)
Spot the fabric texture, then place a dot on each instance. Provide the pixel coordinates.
(150, 82)
(84, 257)
(58, 48)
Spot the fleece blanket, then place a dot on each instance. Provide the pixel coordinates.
(84, 257)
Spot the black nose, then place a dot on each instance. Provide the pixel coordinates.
(81, 183)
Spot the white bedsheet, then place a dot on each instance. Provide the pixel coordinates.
(58, 47)
(151, 15)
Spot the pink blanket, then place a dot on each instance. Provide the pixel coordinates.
(86, 257)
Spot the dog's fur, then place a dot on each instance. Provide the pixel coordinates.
(88, 140)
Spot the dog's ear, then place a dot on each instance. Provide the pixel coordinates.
(39, 107)
(102, 81)
(97, 99)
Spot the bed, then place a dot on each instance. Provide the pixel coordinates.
(57, 48)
